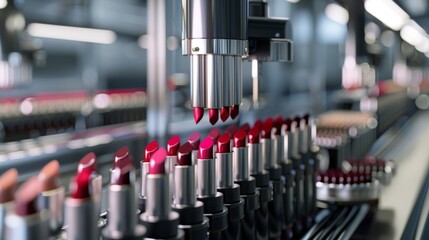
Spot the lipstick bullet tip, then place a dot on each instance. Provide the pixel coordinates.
(157, 162)
(224, 113)
(235, 111)
(213, 115)
(198, 114)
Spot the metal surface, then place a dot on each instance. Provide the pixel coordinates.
(240, 164)
(206, 178)
(348, 193)
(158, 202)
(214, 46)
(144, 170)
(184, 181)
(81, 219)
(34, 226)
(4, 208)
(267, 153)
(171, 161)
(53, 201)
(255, 158)
(122, 206)
(224, 171)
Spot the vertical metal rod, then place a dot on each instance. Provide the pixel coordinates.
(157, 111)
(255, 80)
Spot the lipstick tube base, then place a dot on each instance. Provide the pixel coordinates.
(138, 233)
(216, 213)
(235, 205)
(192, 220)
(265, 196)
(53, 201)
(34, 226)
(81, 219)
(162, 228)
(251, 203)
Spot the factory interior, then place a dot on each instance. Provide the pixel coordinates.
(214, 119)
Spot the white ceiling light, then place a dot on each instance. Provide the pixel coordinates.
(337, 13)
(79, 34)
(3, 4)
(387, 12)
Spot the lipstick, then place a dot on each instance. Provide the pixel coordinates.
(150, 149)
(81, 218)
(275, 216)
(224, 113)
(198, 114)
(191, 211)
(235, 110)
(262, 178)
(214, 135)
(122, 219)
(231, 130)
(289, 177)
(247, 184)
(213, 115)
(207, 193)
(231, 191)
(25, 221)
(89, 163)
(160, 221)
(52, 196)
(8, 185)
(194, 140)
(173, 145)
(245, 127)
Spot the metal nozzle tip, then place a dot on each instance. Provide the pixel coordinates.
(224, 113)
(234, 111)
(198, 114)
(213, 115)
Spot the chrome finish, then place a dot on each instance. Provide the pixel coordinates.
(240, 163)
(34, 226)
(348, 193)
(287, 145)
(224, 168)
(184, 181)
(4, 209)
(237, 82)
(206, 178)
(121, 206)
(278, 151)
(158, 203)
(214, 77)
(144, 170)
(97, 189)
(255, 158)
(294, 142)
(214, 46)
(171, 161)
(198, 88)
(268, 153)
(81, 219)
(303, 139)
(53, 201)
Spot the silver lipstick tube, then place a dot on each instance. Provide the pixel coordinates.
(287, 153)
(122, 217)
(4, 210)
(224, 171)
(255, 158)
(198, 88)
(81, 220)
(171, 162)
(158, 203)
(278, 150)
(303, 140)
(267, 153)
(53, 201)
(34, 226)
(97, 189)
(144, 170)
(214, 80)
(206, 179)
(184, 181)
(240, 163)
(228, 81)
(237, 85)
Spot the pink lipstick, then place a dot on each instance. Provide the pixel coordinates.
(247, 184)
(150, 149)
(191, 211)
(173, 145)
(213, 115)
(231, 191)
(121, 218)
(262, 178)
(52, 196)
(214, 135)
(8, 185)
(206, 190)
(194, 140)
(160, 221)
(81, 218)
(198, 114)
(26, 221)
(235, 110)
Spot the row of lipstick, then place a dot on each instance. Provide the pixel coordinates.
(248, 183)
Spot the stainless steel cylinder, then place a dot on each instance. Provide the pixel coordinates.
(303, 139)
(278, 152)
(206, 179)
(240, 163)
(4, 209)
(158, 203)
(53, 201)
(122, 208)
(294, 142)
(214, 80)
(224, 168)
(237, 84)
(144, 170)
(286, 146)
(81, 220)
(171, 161)
(198, 85)
(184, 181)
(267, 153)
(34, 226)
(255, 159)
(97, 189)
(194, 157)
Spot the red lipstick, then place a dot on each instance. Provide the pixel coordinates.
(198, 114)
(81, 217)
(26, 221)
(191, 211)
(235, 110)
(173, 145)
(194, 140)
(241, 166)
(224, 113)
(8, 185)
(223, 143)
(231, 130)
(158, 214)
(213, 115)
(52, 196)
(245, 127)
(214, 135)
(224, 162)
(121, 200)
(151, 148)
(258, 125)
(256, 165)
(206, 149)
